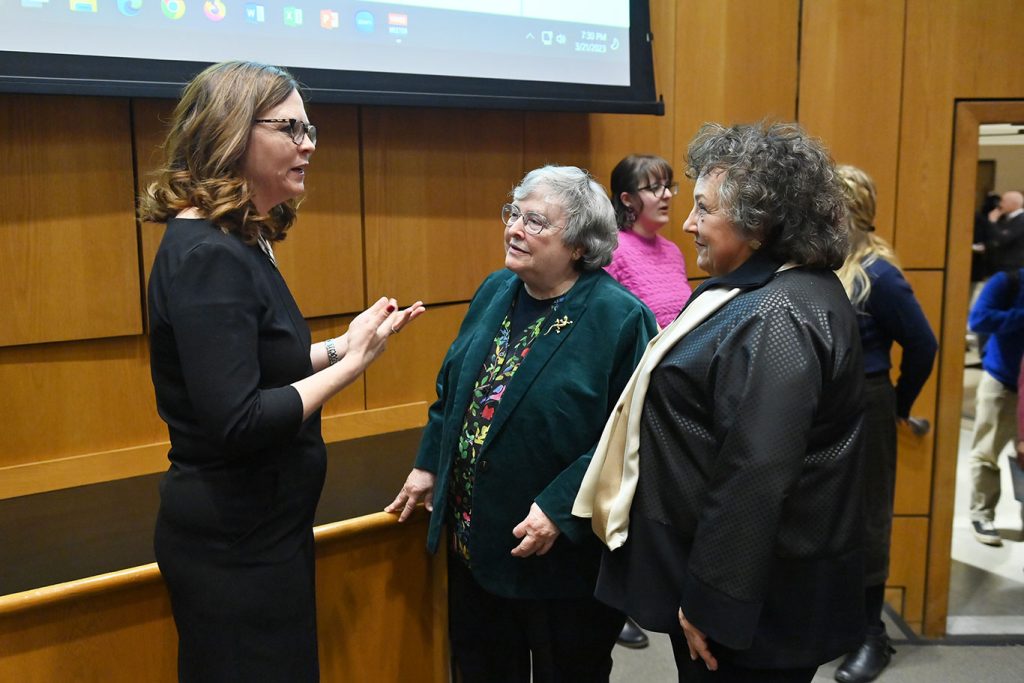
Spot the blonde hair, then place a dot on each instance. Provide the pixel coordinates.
(865, 246)
(205, 147)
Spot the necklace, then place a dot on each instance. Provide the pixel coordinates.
(266, 248)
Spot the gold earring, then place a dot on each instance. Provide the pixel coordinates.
(755, 244)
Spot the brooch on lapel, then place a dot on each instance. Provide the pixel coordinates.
(559, 324)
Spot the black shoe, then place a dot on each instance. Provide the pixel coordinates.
(633, 636)
(867, 662)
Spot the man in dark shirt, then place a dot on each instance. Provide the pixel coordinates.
(1004, 241)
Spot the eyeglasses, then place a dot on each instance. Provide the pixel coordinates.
(534, 223)
(296, 128)
(657, 189)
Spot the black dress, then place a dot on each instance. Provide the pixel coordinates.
(234, 537)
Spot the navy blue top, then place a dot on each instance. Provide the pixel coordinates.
(891, 313)
(1001, 315)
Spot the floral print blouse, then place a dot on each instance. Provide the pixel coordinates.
(499, 368)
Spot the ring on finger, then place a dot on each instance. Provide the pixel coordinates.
(394, 330)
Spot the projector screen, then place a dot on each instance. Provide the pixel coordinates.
(570, 55)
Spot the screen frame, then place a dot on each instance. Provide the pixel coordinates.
(54, 74)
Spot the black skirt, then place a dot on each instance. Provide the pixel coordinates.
(242, 586)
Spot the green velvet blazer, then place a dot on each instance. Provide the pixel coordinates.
(543, 433)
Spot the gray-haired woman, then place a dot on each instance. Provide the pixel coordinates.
(740, 537)
(544, 351)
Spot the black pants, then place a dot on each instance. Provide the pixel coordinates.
(493, 639)
(874, 596)
(880, 440)
(696, 671)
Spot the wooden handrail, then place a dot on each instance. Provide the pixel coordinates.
(150, 573)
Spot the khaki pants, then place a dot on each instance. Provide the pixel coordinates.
(995, 429)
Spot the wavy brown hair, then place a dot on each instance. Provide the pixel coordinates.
(204, 149)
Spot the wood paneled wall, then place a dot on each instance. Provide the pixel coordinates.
(70, 269)
(404, 202)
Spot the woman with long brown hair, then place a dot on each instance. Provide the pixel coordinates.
(238, 380)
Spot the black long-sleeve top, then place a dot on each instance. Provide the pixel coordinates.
(226, 342)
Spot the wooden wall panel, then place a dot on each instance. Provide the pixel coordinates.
(967, 49)
(896, 597)
(322, 259)
(407, 371)
(735, 62)
(382, 606)
(120, 635)
(150, 120)
(914, 464)
(72, 398)
(560, 138)
(434, 182)
(68, 241)
(840, 43)
(907, 565)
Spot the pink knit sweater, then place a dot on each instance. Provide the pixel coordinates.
(654, 270)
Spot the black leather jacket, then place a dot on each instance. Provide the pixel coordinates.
(748, 508)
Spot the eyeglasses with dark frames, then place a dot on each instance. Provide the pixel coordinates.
(657, 189)
(296, 129)
(533, 222)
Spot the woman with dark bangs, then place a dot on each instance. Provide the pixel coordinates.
(645, 262)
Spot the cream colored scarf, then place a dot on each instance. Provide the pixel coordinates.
(606, 494)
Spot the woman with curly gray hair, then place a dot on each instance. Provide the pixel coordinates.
(544, 351)
(722, 482)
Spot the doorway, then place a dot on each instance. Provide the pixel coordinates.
(986, 583)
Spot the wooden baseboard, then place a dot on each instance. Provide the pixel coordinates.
(134, 461)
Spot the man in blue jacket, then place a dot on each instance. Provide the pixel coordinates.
(999, 311)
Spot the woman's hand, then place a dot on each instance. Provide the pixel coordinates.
(418, 485)
(538, 533)
(399, 319)
(698, 643)
(369, 331)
